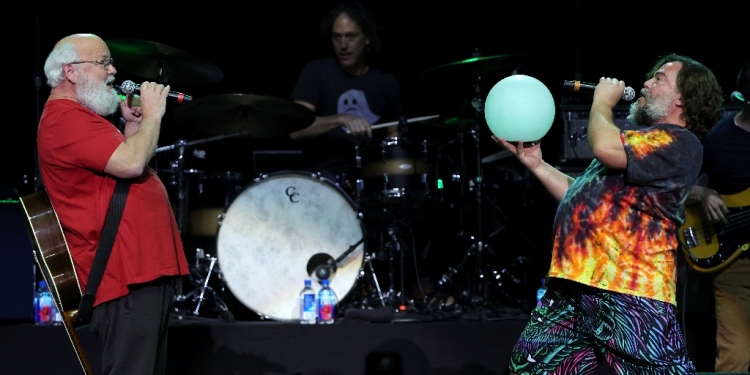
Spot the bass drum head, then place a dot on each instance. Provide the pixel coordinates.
(272, 230)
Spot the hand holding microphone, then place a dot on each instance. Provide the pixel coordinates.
(129, 87)
(628, 94)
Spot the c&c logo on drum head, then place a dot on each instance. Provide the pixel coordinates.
(291, 193)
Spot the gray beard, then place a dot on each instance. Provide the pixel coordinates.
(97, 97)
(655, 108)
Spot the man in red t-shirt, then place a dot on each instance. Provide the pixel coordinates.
(81, 155)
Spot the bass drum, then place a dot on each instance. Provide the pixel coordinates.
(277, 230)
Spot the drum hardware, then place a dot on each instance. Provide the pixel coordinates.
(396, 170)
(203, 294)
(471, 172)
(177, 167)
(162, 63)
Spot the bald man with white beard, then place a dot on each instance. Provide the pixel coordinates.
(81, 158)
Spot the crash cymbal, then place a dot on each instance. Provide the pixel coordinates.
(256, 115)
(161, 63)
(477, 65)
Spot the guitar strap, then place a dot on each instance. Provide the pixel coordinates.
(107, 240)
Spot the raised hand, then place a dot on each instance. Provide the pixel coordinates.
(531, 156)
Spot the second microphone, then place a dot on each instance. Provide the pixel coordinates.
(130, 87)
(628, 94)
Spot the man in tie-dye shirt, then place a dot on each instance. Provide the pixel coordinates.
(611, 285)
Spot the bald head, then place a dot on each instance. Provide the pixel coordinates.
(72, 48)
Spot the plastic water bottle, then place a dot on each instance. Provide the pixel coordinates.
(307, 308)
(43, 305)
(326, 303)
(540, 293)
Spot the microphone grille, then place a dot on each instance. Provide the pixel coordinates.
(128, 87)
(628, 94)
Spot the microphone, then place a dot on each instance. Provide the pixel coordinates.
(325, 270)
(129, 87)
(628, 94)
(738, 98)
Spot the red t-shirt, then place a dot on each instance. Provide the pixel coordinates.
(74, 146)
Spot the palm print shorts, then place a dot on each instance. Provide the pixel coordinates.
(577, 326)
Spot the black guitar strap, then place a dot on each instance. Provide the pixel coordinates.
(107, 240)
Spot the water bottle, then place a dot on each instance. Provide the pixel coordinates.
(43, 305)
(540, 293)
(307, 308)
(326, 302)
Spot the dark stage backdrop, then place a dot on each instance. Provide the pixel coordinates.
(262, 46)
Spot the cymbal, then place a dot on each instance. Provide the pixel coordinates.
(255, 115)
(477, 65)
(161, 63)
(458, 123)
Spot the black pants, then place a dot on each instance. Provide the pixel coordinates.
(133, 329)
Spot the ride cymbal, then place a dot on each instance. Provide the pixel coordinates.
(256, 116)
(161, 63)
(477, 65)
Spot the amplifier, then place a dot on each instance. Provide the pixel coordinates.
(575, 146)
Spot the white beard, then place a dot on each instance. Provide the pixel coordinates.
(654, 108)
(97, 96)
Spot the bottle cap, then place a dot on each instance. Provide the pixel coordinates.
(308, 282)
(43, 284)
(325, 282)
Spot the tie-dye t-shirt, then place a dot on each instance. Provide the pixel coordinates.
(616, 229)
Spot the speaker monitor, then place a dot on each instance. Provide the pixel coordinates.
(17, 268)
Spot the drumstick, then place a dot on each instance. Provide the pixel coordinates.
(394, 123)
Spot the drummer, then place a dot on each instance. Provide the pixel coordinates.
(346, 94)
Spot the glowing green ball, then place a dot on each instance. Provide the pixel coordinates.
(519, 107)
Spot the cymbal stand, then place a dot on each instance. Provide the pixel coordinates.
(394, 246)
(474, 184)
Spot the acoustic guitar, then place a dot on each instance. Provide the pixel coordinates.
(711, 247)
(53, 257)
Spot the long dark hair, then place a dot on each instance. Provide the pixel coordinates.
(700, 93)
(366, 20)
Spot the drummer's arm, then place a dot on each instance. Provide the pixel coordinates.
(323, 124)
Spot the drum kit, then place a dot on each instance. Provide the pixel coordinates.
(273, 230)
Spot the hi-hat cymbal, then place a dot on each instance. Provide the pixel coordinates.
(477, 65)
(161, 63)
(254, 115)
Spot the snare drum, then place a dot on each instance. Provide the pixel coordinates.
(397, 168)
(271, 232)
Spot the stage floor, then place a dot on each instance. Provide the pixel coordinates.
(200, 346)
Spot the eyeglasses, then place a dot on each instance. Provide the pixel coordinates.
(104, 63)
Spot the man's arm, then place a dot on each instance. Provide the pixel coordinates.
(141, 137)
(322, 124)
(556, 182)
(603, 135)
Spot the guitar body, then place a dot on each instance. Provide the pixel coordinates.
(711, 247)
(53, 257)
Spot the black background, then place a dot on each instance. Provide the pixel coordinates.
(262, 46)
